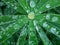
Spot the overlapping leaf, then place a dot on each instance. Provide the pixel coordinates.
(48, 22)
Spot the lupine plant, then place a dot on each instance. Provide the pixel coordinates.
(30, 22)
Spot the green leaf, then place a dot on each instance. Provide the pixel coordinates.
(12, 28)
(57, 9)
(22, 38)
(42, 34)
(8, 19)
(13, 7)
(32, 34)
(24, 4)
(49, 26)
(10, 41)
(50, 17)
(49, 5)
(45, 22)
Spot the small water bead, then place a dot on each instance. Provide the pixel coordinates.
(45, 24)
(48, 6)
(56, 1)
(1, 4)
(32, 4)
(8, 2)
(27, 11)
(15, 7)
(7, 35)
(14, 17)
(35, 25)
(0, 13)
(54, 19)
(8, 42)
(8, 6)
(53, 30)
(31, 43)
(0, 37)
(12, 43)
(32, 34)
(48, 16)
(23, 32)
(2, 29)
(16, 26)
(35, 9)
(26, 7)
(7, 28)
(30, 29)
(12, 5)
(57, 32)
(40, 12)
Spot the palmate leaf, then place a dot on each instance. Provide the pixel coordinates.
(37, 23)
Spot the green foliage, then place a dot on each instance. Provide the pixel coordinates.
(30, 22)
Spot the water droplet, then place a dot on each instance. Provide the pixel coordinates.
(8, 35)
(8, 42)
(16, 26)
(54, 19)
(1, 4)
(48, 16)
(45, 24)
(32, 4)
(35, 9)
(40, 12)
(31, 43)
(53, 30)
(15, 7)
(34, 23)
(48, 6)
(14, 17)
(12, 5)
(27, 11)
(0, 37)
(32, 34)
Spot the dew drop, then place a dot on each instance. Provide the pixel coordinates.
(0, 36)
(35, 9)
(53, 30)
(31, 43)
(16, 26)
(45, 24)
(15, 7)
(32, 34)
(27, 11)
(14, 17)
(32, 4)
(40, 12)
(48, 6)
(48, 16)
(54, 19)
